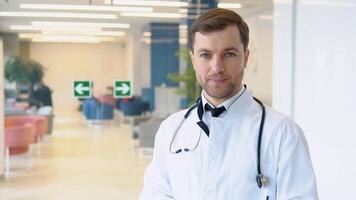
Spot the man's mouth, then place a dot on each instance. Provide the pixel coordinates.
(217, 80)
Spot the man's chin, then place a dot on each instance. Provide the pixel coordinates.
(217, 94)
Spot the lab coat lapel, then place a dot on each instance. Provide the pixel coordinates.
(219, 139)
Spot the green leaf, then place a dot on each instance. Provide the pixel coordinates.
(191, 88)
(23, 71)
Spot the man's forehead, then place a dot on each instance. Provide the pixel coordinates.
(217, 44)
(221, 39)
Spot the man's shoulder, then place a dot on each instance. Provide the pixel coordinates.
(277, 116)
(281, 122)
(171, 122)
(172, 118)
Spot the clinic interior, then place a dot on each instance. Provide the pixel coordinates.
(88, 82)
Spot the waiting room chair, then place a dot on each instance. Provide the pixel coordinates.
(17, 141)
(40, 124)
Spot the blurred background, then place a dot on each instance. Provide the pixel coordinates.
(86, 84)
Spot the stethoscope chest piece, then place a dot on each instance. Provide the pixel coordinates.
(262, 181)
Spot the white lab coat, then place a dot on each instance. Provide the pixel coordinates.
(223, 166)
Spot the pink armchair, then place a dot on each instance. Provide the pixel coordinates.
(17, 141)
(40, 124)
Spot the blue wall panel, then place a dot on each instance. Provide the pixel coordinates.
(164, 45)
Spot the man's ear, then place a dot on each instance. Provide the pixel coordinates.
(192, 57)
(247, 54)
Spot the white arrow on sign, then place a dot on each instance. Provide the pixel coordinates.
(124, 88)
(80, 88)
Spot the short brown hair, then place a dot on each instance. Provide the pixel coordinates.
(218, 19)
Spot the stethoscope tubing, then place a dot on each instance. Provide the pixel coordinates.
(260, 178)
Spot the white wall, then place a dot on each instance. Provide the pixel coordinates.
(64, 63)
(10, 45)
(324, 86)
(258, 74)
(282, 58)
(1, 109)
(139, 60)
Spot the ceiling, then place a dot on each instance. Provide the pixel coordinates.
(249, 8)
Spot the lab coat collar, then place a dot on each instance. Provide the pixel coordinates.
(239, 101)
(227, 103)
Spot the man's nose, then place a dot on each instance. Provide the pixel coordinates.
(217, 64)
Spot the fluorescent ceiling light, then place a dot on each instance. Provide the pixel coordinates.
(80, 24)
(65, 41)
(24, 28)
(85, 7)
(52, 28)
(29, 35)
(148, 3)
(183, 10)
(153, 15)
(98, 33)
(64, 38)
(183, 41)
(147, 34)
(146, 40)
(183, 26)
(229, 5)
(265, 17)
(57, 15)
(183, 34)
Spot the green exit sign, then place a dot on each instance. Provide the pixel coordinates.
(82, 89)
(122, 89)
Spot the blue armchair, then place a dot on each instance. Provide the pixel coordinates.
(136, 107)
(94, 110)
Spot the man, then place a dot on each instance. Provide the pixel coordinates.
(213, 153)
(41, 95)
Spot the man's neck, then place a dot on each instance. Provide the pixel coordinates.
(218, 101)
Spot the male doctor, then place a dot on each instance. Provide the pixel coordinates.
(210, 151)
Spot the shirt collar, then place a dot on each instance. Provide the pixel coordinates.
(227, 103)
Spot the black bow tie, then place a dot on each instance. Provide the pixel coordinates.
(215, 112)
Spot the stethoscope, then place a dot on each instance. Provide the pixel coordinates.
(261, 179)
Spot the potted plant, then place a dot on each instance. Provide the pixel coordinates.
(191, 89)
(16, 70)
(25, 73)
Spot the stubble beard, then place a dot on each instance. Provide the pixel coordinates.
(220, 92)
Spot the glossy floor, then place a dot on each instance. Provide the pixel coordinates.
(78, 161)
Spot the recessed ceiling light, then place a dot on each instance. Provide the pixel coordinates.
(64, 38)
(147, 34)
(52, 28)
(153, 15)
(80, 24)
(57, 15)
(85, 7)
(81, 32)
(148, 3)
(229, 5)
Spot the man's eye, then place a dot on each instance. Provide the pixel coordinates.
(230, 54)
(205, 55)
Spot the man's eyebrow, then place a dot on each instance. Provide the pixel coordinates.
(227, 49)
(203, 50)
(231, 49)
